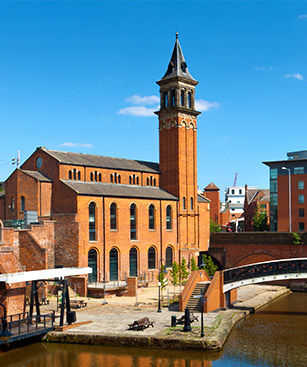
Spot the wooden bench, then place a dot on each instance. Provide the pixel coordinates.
(181, 319)
(141, 324)
(44, 301)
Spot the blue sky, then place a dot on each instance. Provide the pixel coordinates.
(80, 76)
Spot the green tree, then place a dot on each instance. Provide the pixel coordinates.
(296, 239)
(183, 271)
(214, 227)
(260, 221)
(193, 264)
(162, 277)
(210, 267)
(174, 273)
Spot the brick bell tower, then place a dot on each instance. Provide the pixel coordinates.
(178, 145)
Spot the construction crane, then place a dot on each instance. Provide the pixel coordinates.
(234, 184)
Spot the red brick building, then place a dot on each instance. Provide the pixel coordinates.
(122, 217)
(288, 176)
(255, 200)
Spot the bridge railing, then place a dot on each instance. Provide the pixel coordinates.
(277, 267)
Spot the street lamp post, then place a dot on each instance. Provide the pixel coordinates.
(290, 219)
(5, 334)
(159, 284)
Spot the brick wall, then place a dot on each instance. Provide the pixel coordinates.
(236, 249)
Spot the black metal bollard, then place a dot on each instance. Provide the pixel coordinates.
(187, 321)
(173, 321)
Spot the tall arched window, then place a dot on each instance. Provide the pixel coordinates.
(70, 175)
(151, 258)
(22, 203)
(183, 203)
(147, 180)
(96, 176)
(79, 175)
(173, 98)
(192, 204)
(190, 100)
(151, 215)
(133, 222)
(130, 180)
(75, 172)
(133, 262)
(92, 263)
(113, 264)
(118, 178)
(168, 217)
(165, 99)
(1, 231)
(92, 176)
(99, 177)
(168, 257)
(111, 178)
(113, 208)
(182, 98)
(92, 221)
(154, 182)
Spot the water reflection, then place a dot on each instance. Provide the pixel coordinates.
(276, 337)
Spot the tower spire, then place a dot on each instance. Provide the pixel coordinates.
(177, 66)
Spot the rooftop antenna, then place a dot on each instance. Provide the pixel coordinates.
(234, 184)
(16, 160)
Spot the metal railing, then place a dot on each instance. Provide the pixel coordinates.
(265, 269)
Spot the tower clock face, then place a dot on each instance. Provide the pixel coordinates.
(39, 162)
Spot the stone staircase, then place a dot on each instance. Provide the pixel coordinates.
(194, 304)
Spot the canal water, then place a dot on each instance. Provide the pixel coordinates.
(276, 336)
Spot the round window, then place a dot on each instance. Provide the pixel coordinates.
(39, 162)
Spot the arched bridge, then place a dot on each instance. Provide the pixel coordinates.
(267, 271)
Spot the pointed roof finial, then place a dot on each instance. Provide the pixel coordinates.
(177, 66)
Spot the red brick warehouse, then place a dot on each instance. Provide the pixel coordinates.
(120, 216)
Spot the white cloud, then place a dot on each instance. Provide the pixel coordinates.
(79, 145)
(138, 111)
(302, 16)
(295, 76)
(263, 68)
(202, 105)
(144, 101)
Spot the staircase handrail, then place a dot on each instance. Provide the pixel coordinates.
(195, 277)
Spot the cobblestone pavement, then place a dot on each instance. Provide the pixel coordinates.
(114, 317)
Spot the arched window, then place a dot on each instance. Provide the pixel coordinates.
(137, 180)
(99, 177)
(192, 204)
(70, 175)
(133, 179)
(118, 178)
(189, 100)
(150, 180)
(1, 231)
(96, 176)
(133, 262)
(183, 203)
(113, 219)
(130, 180)
(133, 222)
(92, 221)
(79, 175)
(165, 99)
(113, 264)
(182, 98)
(92, 176)
(173, 98)
(111, 178)
(92, 263)
(147, 180)
(151, 215)
(22, 203)
(151, 258)
(154, 182)
(168, 217)
(168, 257)
(74, 171)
